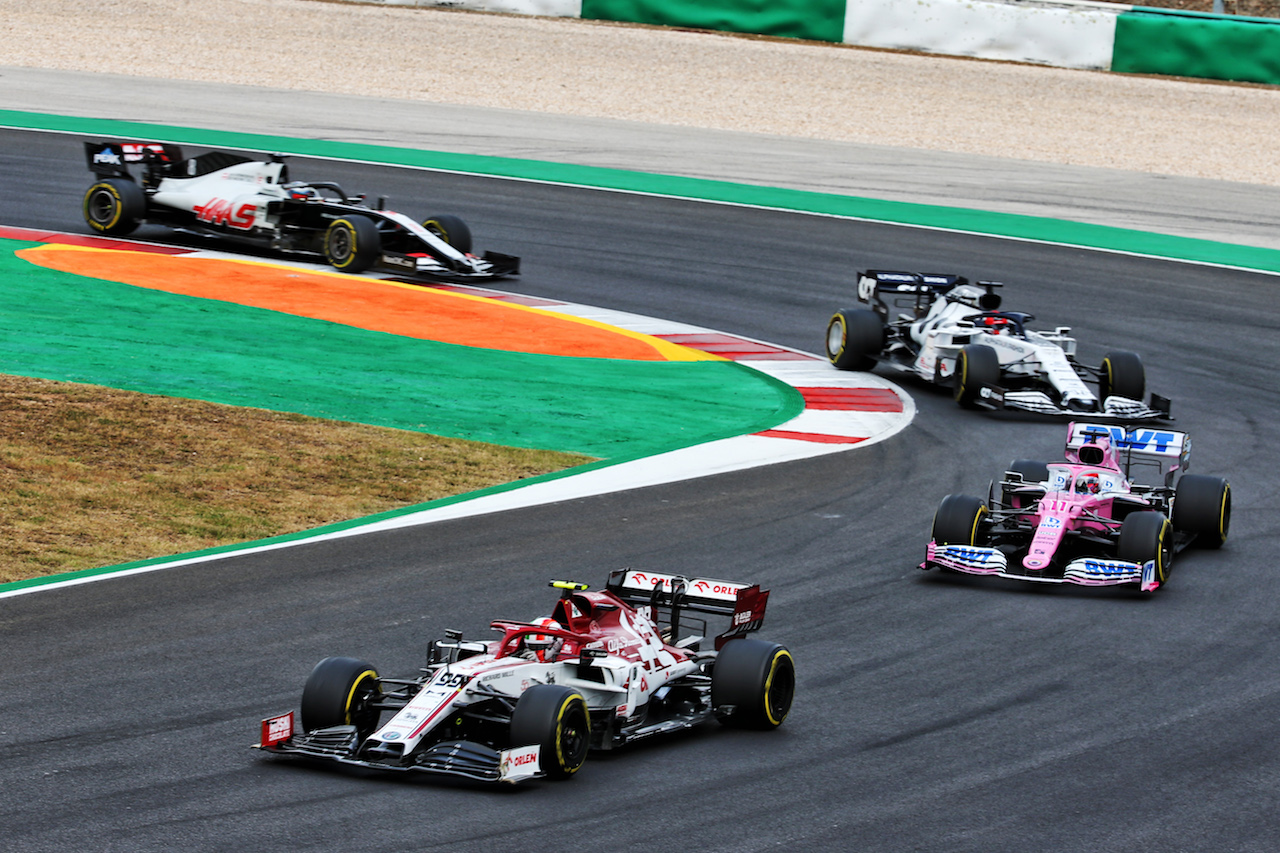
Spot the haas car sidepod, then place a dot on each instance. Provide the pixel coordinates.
(607, 668)
(253, 202)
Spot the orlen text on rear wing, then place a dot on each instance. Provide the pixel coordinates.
(744, 604)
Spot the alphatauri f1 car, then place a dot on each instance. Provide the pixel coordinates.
(951, 332)
(606, 668)
(253, 202)
(1084, 521)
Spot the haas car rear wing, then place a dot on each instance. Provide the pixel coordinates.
(112, 159)
(743, 603)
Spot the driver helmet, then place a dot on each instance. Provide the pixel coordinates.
(1088, 484)
(544, 646)
(299, 191)
(996, 325)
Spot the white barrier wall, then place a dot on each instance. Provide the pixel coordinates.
(1068, 36)
(1063, 33)
(546, 8)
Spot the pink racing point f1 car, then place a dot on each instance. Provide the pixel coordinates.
(606, 668)
(1085, 521)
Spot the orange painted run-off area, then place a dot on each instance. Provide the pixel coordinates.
(367, 303)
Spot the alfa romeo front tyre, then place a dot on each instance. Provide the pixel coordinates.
(556, 719)
(341, 692)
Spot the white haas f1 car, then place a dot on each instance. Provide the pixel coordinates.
(1084, 521)
(253, 202)
(950, 332)
(606, 668)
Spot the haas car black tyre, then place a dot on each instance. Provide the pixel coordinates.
(1147, 536)
(1202, 505)
(341, 692)
(450, 229)
(556, 719)
(1122, 375)
(115, 206)
(352, 243)
(958, 520)
(752, 684)
(854, 338)
(977, 367)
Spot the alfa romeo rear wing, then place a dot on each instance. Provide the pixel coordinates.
(743, 603)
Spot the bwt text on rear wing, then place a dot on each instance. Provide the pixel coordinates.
(1158, 443)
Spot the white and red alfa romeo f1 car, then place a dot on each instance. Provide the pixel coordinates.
(253, 202)
(606, 668)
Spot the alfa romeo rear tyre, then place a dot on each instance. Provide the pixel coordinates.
(753, 684)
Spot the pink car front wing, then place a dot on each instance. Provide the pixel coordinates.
(1087, 571)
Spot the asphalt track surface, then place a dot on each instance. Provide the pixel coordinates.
(931, 713)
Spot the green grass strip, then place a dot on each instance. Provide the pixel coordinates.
(79, 329)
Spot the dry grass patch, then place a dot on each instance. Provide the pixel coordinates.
(94, 476)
